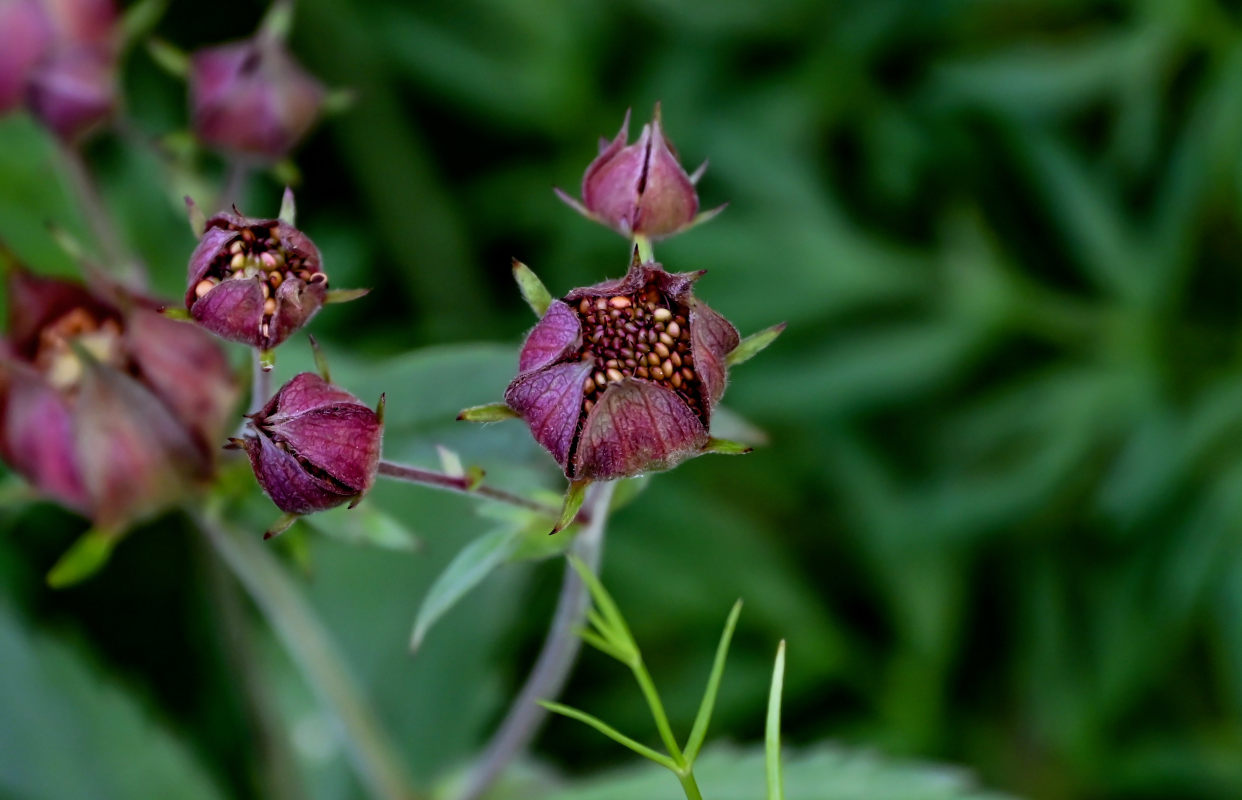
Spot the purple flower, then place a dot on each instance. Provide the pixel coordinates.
(107, 406)
(639, 189)
(254, 281)
(252, 98)
(620, 378)
(313, 446)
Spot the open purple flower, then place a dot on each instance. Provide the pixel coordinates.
(640, 189)
(620, 378)
(313, 446)
(107, 406)
(254, 281)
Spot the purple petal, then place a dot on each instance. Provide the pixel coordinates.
(343, 441)
(215, 240)
(550, 400)
(233, 310)
(556, 335)
(187, 369)
(24, 38)
(135, 457)
(712, 338)
(668, 200)
(305, 392)
(636, 427)
(296, 302)
(610, 186)
(287, 483)
(37, 438)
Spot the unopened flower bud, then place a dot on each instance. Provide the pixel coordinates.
(620, 378)
(639, 189)
(73, 91)
(313, 446)
(254, 281)
(252, 98)
(105, 405)
(59, 58)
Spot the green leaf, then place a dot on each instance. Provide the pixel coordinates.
(344, 295)
(140, 18)
(475, 562)
(367, 525)
(772, 729)
(754, 344)
(533, 291)
(574, 496)
(726, 448)
(610, 732)
(699, 732)
(491, 412)
(83, 559)
(61, 709)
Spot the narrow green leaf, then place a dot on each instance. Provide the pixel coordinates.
(83, 559)
(288, 206)
(533, 291)
(278, 21)
(450, 462)
(699, 732)
(334, 296)
(601, 644)
(367, 525)
(610, 732)
(574, 496)
(282, 524)
(725, 447)
(467, 570)
(198, 220)
(168, 57)
(617, 629)
(179, 314)
(491, 412)
(772, 732)
(321, 360)
(754, 344)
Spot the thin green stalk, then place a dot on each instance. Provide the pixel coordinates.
(689, 785)
(657, 710)
(315, 654)
(645, 251)
(772, 733)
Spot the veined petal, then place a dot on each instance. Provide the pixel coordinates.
(712, 338)
(556, 335)
(636, 427)
(550, 400)
(233, 310)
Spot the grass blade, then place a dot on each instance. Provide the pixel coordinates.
(699, 732)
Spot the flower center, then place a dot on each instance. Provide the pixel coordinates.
(642, 335)
(78, 334)
(259, 254)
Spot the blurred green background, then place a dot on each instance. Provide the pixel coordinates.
(999, 520)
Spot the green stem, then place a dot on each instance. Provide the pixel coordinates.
(103, 229)
(645, 251)
(464, 485)
(689, 785)
(316, 656)
(657, 710)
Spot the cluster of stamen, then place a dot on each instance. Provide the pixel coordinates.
(57, 356)
(259, 253)
(641, 335)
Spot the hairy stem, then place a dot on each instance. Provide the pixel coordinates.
(556, 659)
(462, 485)
(103, 229)
(313, 651)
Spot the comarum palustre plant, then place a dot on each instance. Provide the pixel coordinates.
(116, 403)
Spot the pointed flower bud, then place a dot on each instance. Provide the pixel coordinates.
(620, 378)
(73, 91)
(639, 189)
(105, 405)
(252, 98)
(254, 281)
(314, 446)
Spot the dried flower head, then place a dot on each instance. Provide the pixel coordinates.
(253, 280)
(106, 405)
(620, 378)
